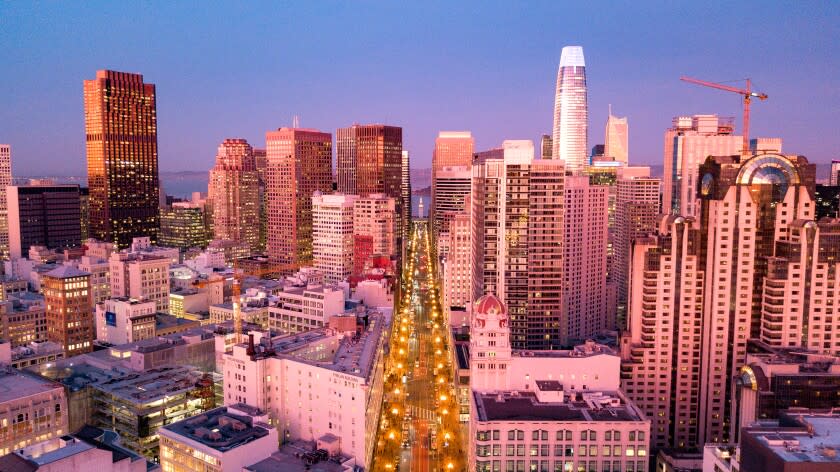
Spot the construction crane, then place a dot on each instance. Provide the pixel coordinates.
(748, 95)
(236, 293)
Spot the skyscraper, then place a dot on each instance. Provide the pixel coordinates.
(183, 225)
(299, 163)
(369, 159)
(636, 215)
(704, 286)
(833, 179)
(43, 215)
(451, 185)
(5, 179)
(546, 146)
(234, 193)
(332, 235)
(517, 235)
(452, 149)
(688, 143)
(585, 257)
(405, 193)
(571, 114)
(616, 139)
(122, 157)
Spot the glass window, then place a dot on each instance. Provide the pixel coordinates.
(608, 435)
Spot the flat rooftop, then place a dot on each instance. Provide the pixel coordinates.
(290, 458)
(16, 384)
(151, 385)
(219, 429)
(524, 406)
(797, 445)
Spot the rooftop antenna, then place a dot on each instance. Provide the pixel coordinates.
(296, 122)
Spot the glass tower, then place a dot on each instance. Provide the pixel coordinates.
(570, 111)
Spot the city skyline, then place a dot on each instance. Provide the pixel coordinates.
(637, 73)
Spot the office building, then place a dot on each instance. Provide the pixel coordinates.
(374, 217)
(124, 320)
(122, 157)
(551, 410)
(299, 163)
(452, 184)
(183, 225)
(369, 159)
(546, 146)
(32, 409)
(834, 176)
(571, 112)
(23, 319)
(827, 199)
(332, 235)
(224, 439)
(69, 309)
(773, 380)
(5, 180)
(141, 276)
(452, 149)
(339, 370)
(234, 193)
(710, 275)
(405, 193)
(100, 277)
(303, 306)
(457, 265)
(688, 143)
(42, 215)
(636, 215)
(585, 257)
(616, 146)
(517, 207)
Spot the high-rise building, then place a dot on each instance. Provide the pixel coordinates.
(636, 215)
(5, 179)
(369, 159)
(332, 235)
(457, 264)
(451, 186)
(828, 201)
(374, 217)
(234, 193)
(834, 177)
(616, 139)
(183, 225)
(84, 209)
(69, 309)
(122, 157)
(517, 235)
(262, 164)
(405, 192)
(703, 286)
(299, 163)
(42, 215)
(585, 257)
(546, 146)
(452, 149)
(141, 276)
(571, 113)
(688, 143)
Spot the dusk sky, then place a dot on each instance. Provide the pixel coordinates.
(240, 69)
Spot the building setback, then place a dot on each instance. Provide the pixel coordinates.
(122, 157)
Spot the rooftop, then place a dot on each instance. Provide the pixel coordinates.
(151, 385)
(524, 406)
(816, 439)
(16, 384)
(65, 272)
(301, 456)
(219, 429)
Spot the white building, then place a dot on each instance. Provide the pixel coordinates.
(225, 439)
(100, 277)
(317, 384)
(301, 307)
(374, 218)
(124, 320)
(141, 276)
(332, 235)
(548, 410)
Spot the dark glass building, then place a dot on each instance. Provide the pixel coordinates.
(43, 215)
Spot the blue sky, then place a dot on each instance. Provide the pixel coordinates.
(239, 69)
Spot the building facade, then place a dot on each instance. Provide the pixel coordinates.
(5, 180)
(332, 235)
(452, 184)
(452, 149)
(616, 139)
(298, 163)
(125, 320)
(32, 409)
(42, 215)
(141, 276)
(183, 225)
(69, 309)
(234, 193)
(122, 157)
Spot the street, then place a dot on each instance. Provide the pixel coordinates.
(419, 428)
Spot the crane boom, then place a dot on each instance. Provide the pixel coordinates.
(748, 95)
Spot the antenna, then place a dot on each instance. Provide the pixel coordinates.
(296, 122)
